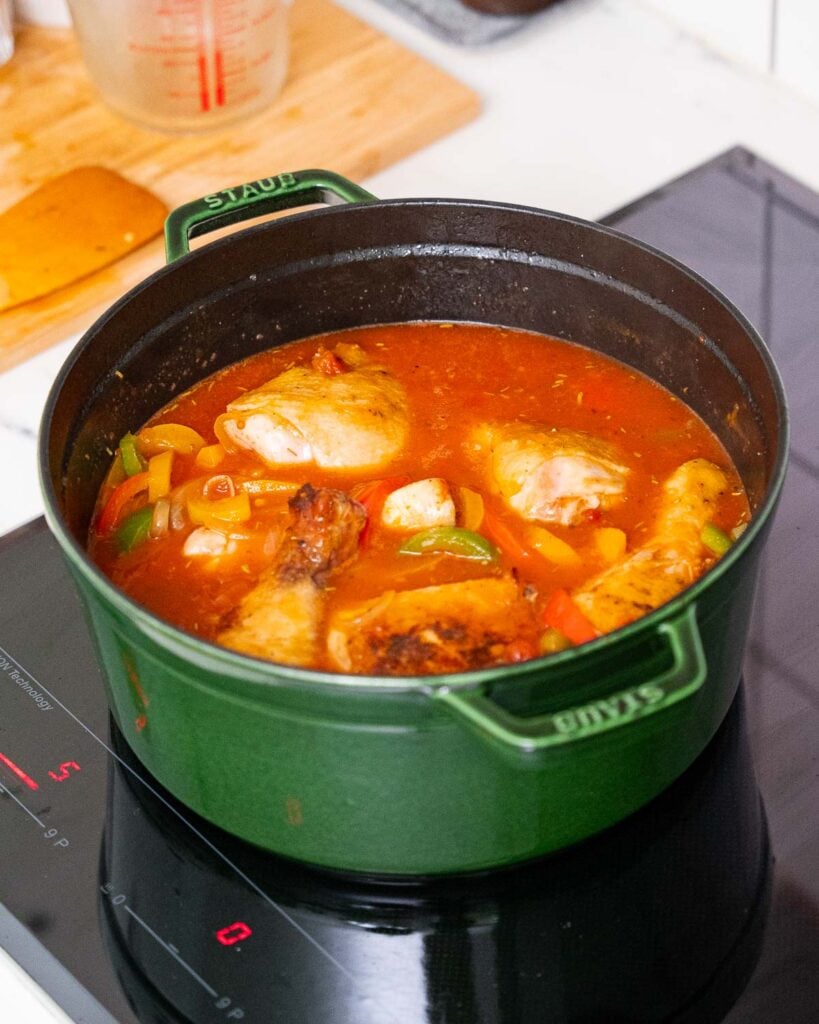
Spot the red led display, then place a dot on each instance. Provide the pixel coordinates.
(19, 772)
(65, 770)
(234, 933)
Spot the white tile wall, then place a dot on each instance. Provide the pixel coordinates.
(779, 37)
(797, 46)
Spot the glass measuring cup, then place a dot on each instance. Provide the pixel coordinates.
(6, 32)
(184, 65)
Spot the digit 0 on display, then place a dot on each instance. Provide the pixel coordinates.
(233, 933)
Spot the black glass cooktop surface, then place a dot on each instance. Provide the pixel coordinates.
(702, 907)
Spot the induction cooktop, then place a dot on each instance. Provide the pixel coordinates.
(703, 906)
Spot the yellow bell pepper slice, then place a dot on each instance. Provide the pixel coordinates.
(221, 513)
(472, 509)
(159, 475)
(552, 548)
(610, 543)
(183, 440)
(210, 456)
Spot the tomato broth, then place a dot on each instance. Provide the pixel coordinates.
(455, 377)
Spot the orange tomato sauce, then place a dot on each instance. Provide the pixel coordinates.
(455, 377)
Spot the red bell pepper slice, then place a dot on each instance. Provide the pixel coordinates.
(372, 496)
(562, 614)
(114, 507)
(498, 532)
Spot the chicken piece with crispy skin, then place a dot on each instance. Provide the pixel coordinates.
(342, 412)
(668, 562)
(280, 618)
(550, 475)
(448, 628)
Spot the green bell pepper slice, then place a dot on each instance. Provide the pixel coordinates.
(136, 529)
(450, 540)
(715, 539)
(132, 461)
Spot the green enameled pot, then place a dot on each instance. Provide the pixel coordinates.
(437, 774)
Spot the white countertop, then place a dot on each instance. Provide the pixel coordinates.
(592, 104)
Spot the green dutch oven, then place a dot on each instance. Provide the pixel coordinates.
(434, 774)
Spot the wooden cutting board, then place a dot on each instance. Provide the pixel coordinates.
(355, 101)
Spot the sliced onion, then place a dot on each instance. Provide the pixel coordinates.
(160, 520)
(338, 649)
(179, 501)
(256, 487)
(178, 517)
(221, 484)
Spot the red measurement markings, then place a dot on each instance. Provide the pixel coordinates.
(21, 775)
(234, 933)
(202, 61)
(220, 79)
(204, 93)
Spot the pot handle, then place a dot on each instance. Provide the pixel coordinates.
(253, 199)
(685, 676)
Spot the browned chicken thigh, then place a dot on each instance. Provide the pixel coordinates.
(666, 563)
(281, 617)
(448, 628)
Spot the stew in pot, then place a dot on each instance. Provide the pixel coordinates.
(415, 499)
